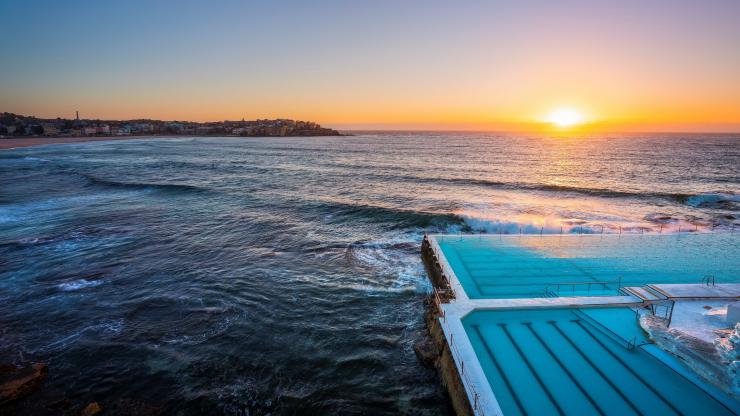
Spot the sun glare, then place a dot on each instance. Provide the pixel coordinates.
(565, 117)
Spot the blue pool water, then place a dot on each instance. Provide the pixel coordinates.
(492, 266)
(579, 361)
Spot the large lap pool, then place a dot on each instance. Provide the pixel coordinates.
(531, 266)
(580, 362)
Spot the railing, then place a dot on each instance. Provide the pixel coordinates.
(574, 284)
(440, 297)
(709, 280)
(629, 344)
(668, 304)
(437, 264)
(547, 293)
(595, 229)
(438, 303)
(457, 357)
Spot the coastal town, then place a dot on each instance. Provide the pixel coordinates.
(14, 125)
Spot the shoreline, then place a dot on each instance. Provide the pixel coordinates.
(16, 143)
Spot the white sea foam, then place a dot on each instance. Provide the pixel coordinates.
(105, 329)
(216, 329)
(503, 226)
(79, 284)
(712, 199)
(389, 258)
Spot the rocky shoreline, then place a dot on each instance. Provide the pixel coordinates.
(18, 382)
(22, 392)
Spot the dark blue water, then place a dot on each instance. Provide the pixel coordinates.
(282, 275)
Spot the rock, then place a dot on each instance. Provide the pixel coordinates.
(61, 404)
(426, 353)
(131, 407)
(92, 409)
(6, 369)
(16, 383)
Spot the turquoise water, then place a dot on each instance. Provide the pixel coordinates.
(509, 266)
(581, 362)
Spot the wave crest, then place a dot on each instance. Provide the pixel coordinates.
(718, 200)
(142, 186)
(396, 217)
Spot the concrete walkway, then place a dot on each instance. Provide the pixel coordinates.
(699, 291)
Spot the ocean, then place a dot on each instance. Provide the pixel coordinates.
(250, 276)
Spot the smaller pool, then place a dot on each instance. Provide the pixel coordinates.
(531, 266)
(579, 362)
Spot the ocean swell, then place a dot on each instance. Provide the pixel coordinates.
(396, 217)
(704, 200)
(166, 187)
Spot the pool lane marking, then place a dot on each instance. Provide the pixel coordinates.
(597, 369)
(496, 364)
(563, 367)
(651, 388)
(582, 270)
(531, 369)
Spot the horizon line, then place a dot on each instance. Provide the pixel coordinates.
(551, 132)
(527, 127)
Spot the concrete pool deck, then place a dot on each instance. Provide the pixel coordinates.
(698, 291)
(454, 305)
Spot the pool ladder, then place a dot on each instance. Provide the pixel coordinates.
(547, 293)
(709, 280)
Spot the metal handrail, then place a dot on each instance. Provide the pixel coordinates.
(439, 265)
(476, 405)
(668, 316)
(616, 230)
(547, 293)
(629, 344)
(587, 284)
(709, 280)
(438, 303)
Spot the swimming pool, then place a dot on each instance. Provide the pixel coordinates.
(579, 361)
(535, 266)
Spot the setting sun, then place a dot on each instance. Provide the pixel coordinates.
(565, 117)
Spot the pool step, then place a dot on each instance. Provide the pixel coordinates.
(642, 292)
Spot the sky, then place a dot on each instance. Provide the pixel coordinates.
(465, 65)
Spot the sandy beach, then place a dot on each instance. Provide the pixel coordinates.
(38, 141)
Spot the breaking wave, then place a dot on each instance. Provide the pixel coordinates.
(714, 200)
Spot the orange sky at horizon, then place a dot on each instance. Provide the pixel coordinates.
(669, 66)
